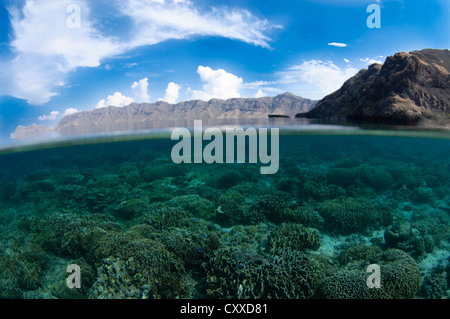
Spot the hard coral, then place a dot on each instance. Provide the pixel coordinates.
(132, 208)
(231, 209)
(295, 237)
(400, 279)
(347, 215)
(282, 274)
(272, 206)
(142, 268)
(435, 284)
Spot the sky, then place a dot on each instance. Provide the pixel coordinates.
(58, 57)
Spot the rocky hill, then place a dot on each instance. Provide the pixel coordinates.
(407, 88)
(159, 114)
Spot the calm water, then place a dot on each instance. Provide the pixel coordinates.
(140, 226)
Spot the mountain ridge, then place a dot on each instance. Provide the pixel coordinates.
(407, 88)
(286, 104)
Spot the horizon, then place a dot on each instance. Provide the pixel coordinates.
(63, 57)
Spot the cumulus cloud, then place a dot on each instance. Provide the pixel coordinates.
(172, 93)
(315, 79)
(54, 115)
(31, 132)
(70, 111)
(219, 84)
(140, 91)
(260, 93)
(339, 45)
(51, 117)
(117, 99)
(42, 28)
(47, 50)
(370, 61)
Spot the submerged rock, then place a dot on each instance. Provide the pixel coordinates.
(397, 233)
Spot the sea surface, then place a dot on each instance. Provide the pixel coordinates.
(137, 225)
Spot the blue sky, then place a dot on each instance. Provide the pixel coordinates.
(62, 56)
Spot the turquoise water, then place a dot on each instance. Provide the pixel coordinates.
(140, 226)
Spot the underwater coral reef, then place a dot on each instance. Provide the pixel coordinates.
(140, 226)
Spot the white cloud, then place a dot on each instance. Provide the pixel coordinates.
(260, 93)
(157, 21)
(370, 61)
(219, 84)
(339, 45)
(347, 61)
(264, 88)
(70, 111)
(101, 104)
(172, 93)
(140, 91)
(258, 84)
(54, 115)
(47, 50)
(117, 99)
(42, 29)
(31, 132)
(51, 117)
(315, 79)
